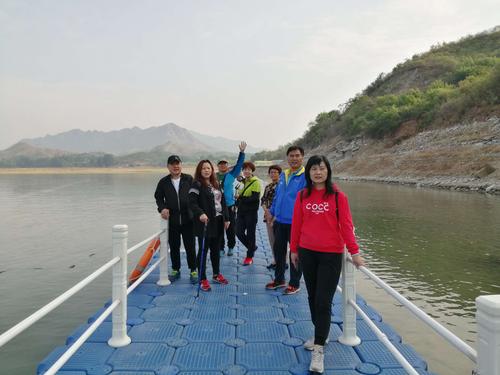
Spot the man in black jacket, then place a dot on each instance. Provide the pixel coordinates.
(172, 199)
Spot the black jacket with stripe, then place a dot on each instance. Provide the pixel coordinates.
(177, 204)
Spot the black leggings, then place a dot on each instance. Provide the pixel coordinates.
(321, 273)
(246, 224)
(212, 244)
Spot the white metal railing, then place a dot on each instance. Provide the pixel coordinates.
(118, 307)
(487, 357)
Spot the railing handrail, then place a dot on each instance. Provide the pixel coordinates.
(40, 313)
(449, 336)
(144, 275)
(383, 338)
(93, 327)
(143, 242)
(81, 340)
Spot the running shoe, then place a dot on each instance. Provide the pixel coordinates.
(193, 277)
(309, 344)
(317, 360)
(205, 286)
(220, 279)
(247, 261)
(275, 285)
(291, 290)
(174, 275)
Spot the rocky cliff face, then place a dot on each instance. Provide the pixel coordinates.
(463, 157)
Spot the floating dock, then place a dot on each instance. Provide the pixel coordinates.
(236, 329)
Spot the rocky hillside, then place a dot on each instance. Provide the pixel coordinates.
(27, 150)
(461, 157)
(433, 120)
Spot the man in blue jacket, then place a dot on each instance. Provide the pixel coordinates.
(291, 181)
(226, 179)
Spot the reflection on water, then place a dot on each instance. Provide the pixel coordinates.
(54, 231)
(440, 249)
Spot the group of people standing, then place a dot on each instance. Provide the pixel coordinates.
(204, 206)
(303, 209)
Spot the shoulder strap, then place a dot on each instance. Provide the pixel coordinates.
(246, 187)
(222, 183)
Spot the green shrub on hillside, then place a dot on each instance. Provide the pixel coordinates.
(473, 84)
(449, 83)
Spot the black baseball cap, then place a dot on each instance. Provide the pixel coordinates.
(174, 159)
(222, 161)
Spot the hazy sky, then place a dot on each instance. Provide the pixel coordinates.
(254, 70)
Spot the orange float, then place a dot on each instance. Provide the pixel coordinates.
(144, 261)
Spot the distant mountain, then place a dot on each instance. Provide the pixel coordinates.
(30, 151)
(22, 155)
(223, 144)
(125, 147)
(132, 140)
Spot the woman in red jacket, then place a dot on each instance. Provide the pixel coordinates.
(321, 227)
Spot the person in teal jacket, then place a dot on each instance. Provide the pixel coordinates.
(226, 180)
(291, 181)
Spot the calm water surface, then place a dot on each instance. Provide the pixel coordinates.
(440, 249)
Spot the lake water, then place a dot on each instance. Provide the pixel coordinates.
(440, 249)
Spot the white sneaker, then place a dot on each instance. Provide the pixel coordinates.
(309, 344)
(317, 359)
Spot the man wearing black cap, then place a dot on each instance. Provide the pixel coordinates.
(172, 199)
(226, 179)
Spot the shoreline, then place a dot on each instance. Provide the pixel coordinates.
(444, 183)
(486, 186)
(82, 170)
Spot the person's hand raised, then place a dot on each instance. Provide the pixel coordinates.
(242, 146)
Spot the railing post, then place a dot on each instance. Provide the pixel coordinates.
(119, 337)
(163, 280)
(349, 336)
(488, 334)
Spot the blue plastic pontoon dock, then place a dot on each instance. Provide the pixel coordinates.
(236, 329)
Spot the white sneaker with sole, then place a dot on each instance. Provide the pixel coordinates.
(309, 344)
(317, 359)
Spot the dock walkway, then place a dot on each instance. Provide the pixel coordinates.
(235, 329)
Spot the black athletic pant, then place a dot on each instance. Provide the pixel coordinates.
(231, 231)
(321, 274)
(246, 224)
(174, 240)
(281, 240)
(211, 244)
